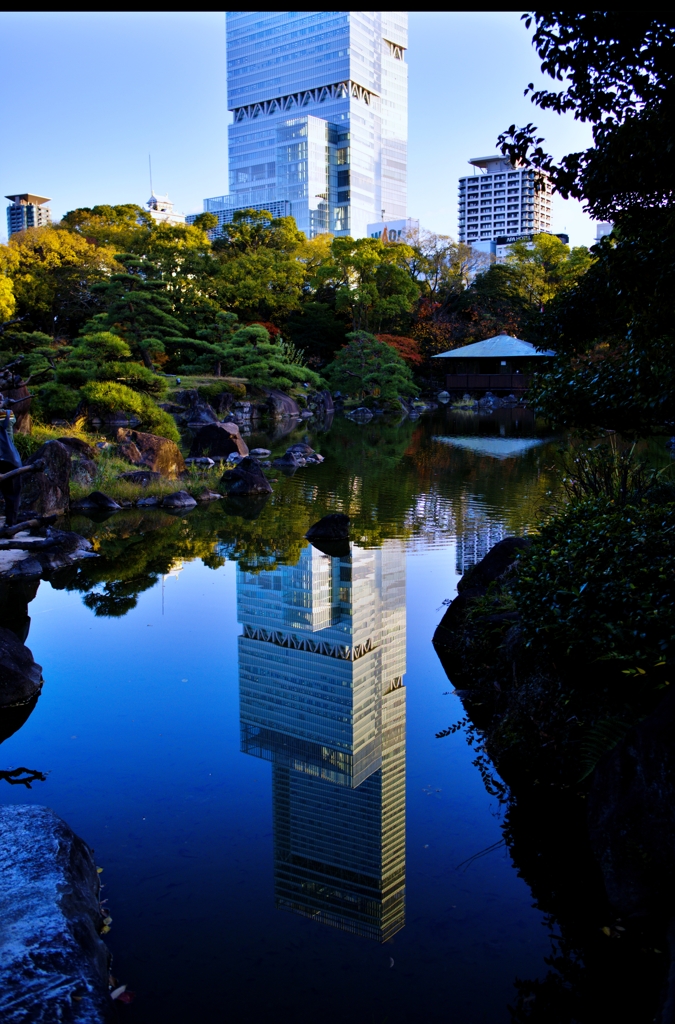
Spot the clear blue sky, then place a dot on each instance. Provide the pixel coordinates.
(86, 96)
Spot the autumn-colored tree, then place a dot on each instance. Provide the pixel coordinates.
(407, 348)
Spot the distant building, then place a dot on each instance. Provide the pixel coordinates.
(602, 229)
(394, 230)
(320, 118)
(161, 210)
(27, 211)
(501, 202)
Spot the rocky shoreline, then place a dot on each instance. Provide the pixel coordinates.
(610, 821)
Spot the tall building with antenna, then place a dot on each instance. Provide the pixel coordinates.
(320, 110)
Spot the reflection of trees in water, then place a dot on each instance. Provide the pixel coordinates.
(391, 479)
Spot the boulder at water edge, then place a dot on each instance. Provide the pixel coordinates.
(20, 675)
(47, 492)
(332, 527)
(331, 535)
(179, 499)
(246, 478)
(53, 963)
(157, 453)
(218, 439)
(96, 500)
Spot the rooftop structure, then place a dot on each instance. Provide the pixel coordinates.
(27, 211)
(321, 665)
(319, 100)
(502, 346)
(161, 210)
(501, 204)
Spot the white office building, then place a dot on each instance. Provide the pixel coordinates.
(320, 107)
(27, 211)
(499, 203)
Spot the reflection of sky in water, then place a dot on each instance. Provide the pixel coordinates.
(147, 721)
(495, 447)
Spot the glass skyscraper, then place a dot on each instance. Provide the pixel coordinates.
(321, 665)
(320, 107)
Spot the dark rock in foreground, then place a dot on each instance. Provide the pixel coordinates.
(20, 675)
(29, 557)
(179, 499)
(47, 492)
(218, 439)
(246, 478)
(53, 963)
(97, 500)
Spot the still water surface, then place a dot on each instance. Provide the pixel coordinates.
(244, 730)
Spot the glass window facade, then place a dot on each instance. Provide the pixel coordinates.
(311, 91)
(321, 666)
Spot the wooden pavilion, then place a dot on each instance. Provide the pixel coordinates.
(501, 364)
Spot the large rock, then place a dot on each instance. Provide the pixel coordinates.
(78, 446)
(289, 462)
(157, 453)
(47, 492)
(282, 406)
(27, 557)
(332, 527)
(20, 675)
(82, 460)
(179, 499)
(218, 439)
(53, 963)
(331, 535)
(494, 564)
(246, 478)
(98, 500)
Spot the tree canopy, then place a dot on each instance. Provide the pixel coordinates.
(614, 329)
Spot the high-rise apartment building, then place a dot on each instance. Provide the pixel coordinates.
(501, 202)
(320, 107)
(27, 211)
(321, 665)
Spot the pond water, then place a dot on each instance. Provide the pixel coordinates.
(243, 728)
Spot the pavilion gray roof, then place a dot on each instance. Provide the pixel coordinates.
(503, 346)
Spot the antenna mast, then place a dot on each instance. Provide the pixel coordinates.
(150, 166)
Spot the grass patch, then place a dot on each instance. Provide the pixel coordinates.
(40, 433)
(109, 468)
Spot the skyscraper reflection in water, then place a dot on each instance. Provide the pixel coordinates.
(321, 665)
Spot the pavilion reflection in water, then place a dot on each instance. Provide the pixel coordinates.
(321, 665)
